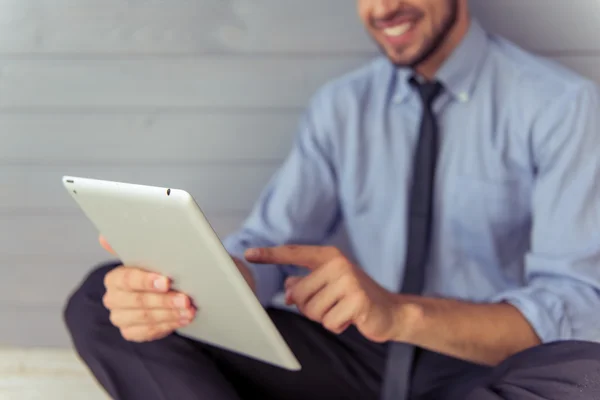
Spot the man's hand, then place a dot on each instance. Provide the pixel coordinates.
(143, 305)
(336, 293)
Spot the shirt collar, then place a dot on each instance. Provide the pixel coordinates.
(459, 72)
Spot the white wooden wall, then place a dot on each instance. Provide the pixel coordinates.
(183, 93)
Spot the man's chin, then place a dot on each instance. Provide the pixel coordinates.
(408, 59)
(402, 62)
(401, 59)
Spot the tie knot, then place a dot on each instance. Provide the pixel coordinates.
(427, 90)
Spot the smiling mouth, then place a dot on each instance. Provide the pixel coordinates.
(398, 30)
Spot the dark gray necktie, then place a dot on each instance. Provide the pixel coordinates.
(398, 371)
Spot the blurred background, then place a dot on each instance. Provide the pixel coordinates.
(202, 95)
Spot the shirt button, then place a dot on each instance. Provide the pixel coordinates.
(463, 97)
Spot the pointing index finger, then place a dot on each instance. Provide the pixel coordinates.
(310, 257)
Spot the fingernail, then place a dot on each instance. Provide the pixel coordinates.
(180, 301)
(290, 282)
(185, 314)
(184, 322)
(160, 283)
(252, 252)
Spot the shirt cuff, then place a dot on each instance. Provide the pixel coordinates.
(546, 312)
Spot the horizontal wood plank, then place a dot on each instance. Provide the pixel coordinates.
(260, 26)
(33, 326)
(152, 137)
(217, 188)
(211, 82)
(179, 26)
(70, 235)
(38, 362)
(41, 281)
(546, 26)
(49, 374)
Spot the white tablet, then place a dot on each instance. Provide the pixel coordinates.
(164, 230)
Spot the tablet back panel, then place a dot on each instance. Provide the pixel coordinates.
(164, 230)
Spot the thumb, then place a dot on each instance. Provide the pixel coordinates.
(291, 281)
(106, 245)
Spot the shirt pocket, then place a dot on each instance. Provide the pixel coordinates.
(488, 220)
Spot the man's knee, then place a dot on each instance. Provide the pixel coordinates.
(558, 370)
(563, 353)
(85, 303)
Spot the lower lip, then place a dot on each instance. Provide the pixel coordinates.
(403, 39)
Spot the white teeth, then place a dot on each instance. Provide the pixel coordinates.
(397, 30)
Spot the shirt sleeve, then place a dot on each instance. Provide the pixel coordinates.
(562, 296)
(298, 206)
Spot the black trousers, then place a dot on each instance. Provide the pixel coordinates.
(334, 367)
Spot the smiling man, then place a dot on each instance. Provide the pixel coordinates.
(465, 172)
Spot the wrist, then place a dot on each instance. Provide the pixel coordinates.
(408, 318)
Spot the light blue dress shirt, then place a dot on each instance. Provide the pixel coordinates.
(517, 209)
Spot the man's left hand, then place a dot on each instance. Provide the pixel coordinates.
(336, 293)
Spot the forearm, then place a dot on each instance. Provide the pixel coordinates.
(480, 333)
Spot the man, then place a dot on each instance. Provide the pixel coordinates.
(509, 241)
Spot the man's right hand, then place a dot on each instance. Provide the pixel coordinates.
(143, 306)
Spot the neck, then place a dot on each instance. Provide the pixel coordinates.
(429, 67)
